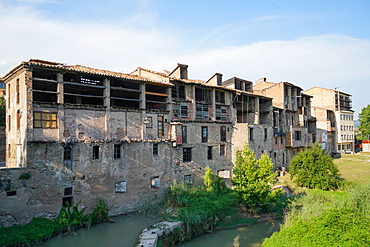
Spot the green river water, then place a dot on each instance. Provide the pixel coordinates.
(125, 231)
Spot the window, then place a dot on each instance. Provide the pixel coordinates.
(12, 192)
(160, 126)
(155, 182)
(44, 120)
(186, 154)
(188, 179)
(67, 155)
(298, 135)
(222, 150)
(155, 149)
(68, 197)
(178, 92)
(18, 119)
(184, 134)
(204, 134)
(149, 122)
(202, 111)
(209, 153)
(265, 134)
(120, 187)
(251, 134)
(221, 113)
(117, 151)
(202, 95)
(223, 133)
(180, 110)
(220, 97)
(96, 152)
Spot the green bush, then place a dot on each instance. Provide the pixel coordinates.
(314, 169)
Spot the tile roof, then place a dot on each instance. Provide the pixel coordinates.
(86, 70)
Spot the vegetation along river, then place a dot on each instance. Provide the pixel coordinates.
(125, 231)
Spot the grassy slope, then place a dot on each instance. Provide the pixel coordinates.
(355, 167)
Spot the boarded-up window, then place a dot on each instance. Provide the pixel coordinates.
(44, 120)
(120, 187)
(224, 174)
(155, 182)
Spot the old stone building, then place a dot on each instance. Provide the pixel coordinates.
(335, 122)
(294, 126)
(84, 133)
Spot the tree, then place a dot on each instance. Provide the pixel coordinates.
(364, 127)
(253, 179)
(314, 169)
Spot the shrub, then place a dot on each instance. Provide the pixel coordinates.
(314, 169)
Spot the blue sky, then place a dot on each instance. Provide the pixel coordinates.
(308, 43)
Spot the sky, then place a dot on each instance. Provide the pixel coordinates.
(308, 42)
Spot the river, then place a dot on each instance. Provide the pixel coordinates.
(248, 236)
(127, 228)
(123, 233)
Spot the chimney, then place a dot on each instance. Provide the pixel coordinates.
(215, 80)
(181, 71)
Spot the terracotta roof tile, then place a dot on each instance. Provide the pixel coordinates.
(87, 70)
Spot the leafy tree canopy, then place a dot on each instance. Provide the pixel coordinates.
(312, 168)
(364, 127)
(253, 179)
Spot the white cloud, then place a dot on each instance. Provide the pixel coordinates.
(326, 60)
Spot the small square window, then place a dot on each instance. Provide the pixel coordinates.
(68, 191)
(188, 179)
(120, 187)
(155, 182)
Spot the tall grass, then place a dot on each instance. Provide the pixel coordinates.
(327, 219)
